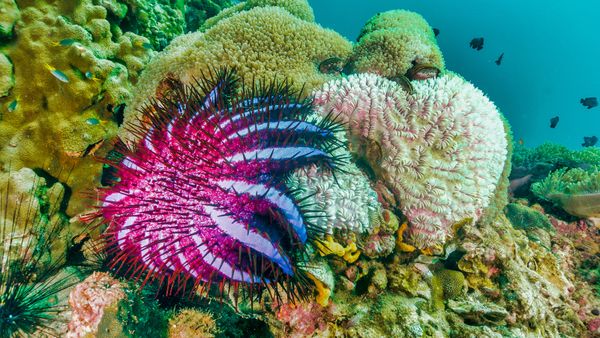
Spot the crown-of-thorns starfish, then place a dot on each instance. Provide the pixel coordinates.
(201, 197)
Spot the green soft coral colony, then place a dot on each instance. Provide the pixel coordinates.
(207, 168)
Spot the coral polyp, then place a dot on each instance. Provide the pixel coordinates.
(201, 197)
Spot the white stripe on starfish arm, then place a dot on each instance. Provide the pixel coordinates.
(249, 114)
(296, 126)
(124, 231)
(278, 198)
(275, 153)
(248, 237)
(220, 265)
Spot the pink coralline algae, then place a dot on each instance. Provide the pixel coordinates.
(439, 151)
(201, 198)
(88, 301)
(302, 320)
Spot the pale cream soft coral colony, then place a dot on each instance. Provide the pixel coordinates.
(438, 151)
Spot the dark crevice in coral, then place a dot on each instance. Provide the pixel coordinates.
(451, 263)
(50, 181)
(118, 112)
(362, 285)
(364, 166)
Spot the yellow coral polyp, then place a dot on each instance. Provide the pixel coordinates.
(329, 246)
(400, 245)
(323, 292)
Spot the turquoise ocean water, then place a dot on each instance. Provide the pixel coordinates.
(551, 61)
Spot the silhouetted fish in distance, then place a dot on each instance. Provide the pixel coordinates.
(499, 60)
(554, 121)
(436, 32)
(589, 141)
(589, 102)
(476, 43)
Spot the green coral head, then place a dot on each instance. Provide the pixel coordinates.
(575, 190)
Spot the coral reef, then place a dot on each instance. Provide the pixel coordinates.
(251, 42)
(298, 8)
(535, 223)
(575, 190)
(61, 108)
(394, 42)
(192, 323)
(9, 14)
(88, 301)
(159, 21)
(347, 200)
(531, 165)
(452, 283)
(6, 75)
(30, 205)
(102, 305)
(554, 156)
(382, 240)
(394, 222)
(198, 11)
(439, 152)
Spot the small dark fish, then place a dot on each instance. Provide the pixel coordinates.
(589, 102)
(404, 82)
(333, 65)
(13, 106)
(589, 141)
(476, 43)
(499, 60)
(554, 121)
(436, 32)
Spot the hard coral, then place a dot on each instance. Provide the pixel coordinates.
(440, 152)
(303, 320)
(529, 278)
(198, 11)
(261, 44)
(9, 14)
(523, 217)
(29, 206)
(298, 8)
(192, 323)
(452, 283)
(7, 80)
(88, 301)
(391, 43)
(159, 21)
(346, 199)
(58, 112)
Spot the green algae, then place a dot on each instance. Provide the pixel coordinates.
(523, 217)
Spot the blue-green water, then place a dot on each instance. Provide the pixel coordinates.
(552, 56)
